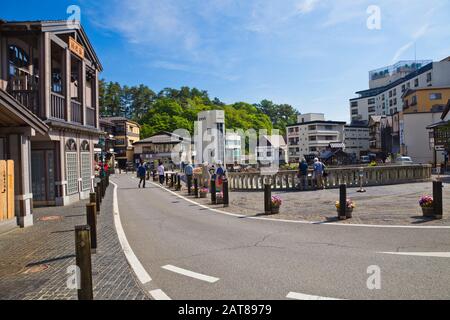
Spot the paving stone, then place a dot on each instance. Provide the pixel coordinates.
(52, 243)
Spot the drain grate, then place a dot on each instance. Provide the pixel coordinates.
(51, 218)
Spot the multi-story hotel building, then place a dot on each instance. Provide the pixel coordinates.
(311, 135)
(126, 133)
(356, 140)
(49, 75)
(387, 85)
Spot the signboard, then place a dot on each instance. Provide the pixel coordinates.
(439, 148)
(76, 47)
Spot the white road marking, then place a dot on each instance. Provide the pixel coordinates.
(191, 274)
(158, 294)
(301, 296)
(136, 265)
(421, 254)
(299, 221)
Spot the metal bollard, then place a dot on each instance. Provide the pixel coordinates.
(83, 261)
(196, 187)
(437, 197)
(189, 184)
(343, 202)
(167, 179)
(213, 191)
(91, 215)
(268, 198)
(172, 181)
(226, 198)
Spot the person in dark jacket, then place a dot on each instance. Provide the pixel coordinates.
(142, 171)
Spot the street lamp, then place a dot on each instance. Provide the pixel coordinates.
(361, 176)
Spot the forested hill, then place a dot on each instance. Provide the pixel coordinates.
(172, 109)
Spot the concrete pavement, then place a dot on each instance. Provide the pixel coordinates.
(255, 259)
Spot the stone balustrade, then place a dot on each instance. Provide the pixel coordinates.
(351, 176)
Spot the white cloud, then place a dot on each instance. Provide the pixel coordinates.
(307, 6)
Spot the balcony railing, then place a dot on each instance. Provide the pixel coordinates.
(58, 106)
(76, 112)
(90, 117)
(29, 99)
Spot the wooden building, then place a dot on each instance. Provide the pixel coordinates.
(49, 72)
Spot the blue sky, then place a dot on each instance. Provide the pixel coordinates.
(313, 54)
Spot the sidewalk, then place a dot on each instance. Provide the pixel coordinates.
(34, 261)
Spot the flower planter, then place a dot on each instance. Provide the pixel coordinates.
(275, 210)
(348, 213)
(203, 195)
(219, 200)
(428, 212)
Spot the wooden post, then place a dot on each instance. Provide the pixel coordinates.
(83, 261)
(268, 198)
(196, 188)
(213, 191)
(98, 190)
(226, 198)
(437, 199)
(343, 202)
(91, 214)
(178, 182)
(167, 179)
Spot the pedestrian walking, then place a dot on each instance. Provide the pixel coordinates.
(161, 170)
(303, 174)
(142, 173)
(220, 174)
(189, 171)
(319, 170)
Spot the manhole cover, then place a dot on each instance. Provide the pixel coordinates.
(51, 218)
(36, 269)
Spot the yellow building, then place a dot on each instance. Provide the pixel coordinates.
(126, 132)
(432, 99)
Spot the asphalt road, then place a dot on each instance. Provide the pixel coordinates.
(242, 259)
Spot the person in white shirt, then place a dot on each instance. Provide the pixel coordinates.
(161, 173)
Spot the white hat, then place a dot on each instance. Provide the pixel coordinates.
(316, 160)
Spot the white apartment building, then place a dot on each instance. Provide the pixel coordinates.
(356, 140)
(210, 137)
(271, 149)
(387, 85)
(311, 135)
(233, 148)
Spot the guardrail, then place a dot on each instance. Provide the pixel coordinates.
(352, 177)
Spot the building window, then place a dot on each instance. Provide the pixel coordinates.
(416, 82)
(429, 77)
(403, 88)
(395, 92)
(85, 166)
(354, 112)
(371, 101)
(435, 96)
(354, 103)
(414, 100)
(71, 167)
(371, 109)
(312, 128)
(390, 94)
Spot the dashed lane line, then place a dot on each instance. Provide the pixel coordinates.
(158, 294)
(191, 274)
(421, 254)
(302, 296)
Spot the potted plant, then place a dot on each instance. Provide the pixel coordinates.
(427, 205)
(350, 206)
(219, 198)
(203, 192)
(276, 204)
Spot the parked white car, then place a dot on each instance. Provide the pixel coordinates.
(404, 160)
